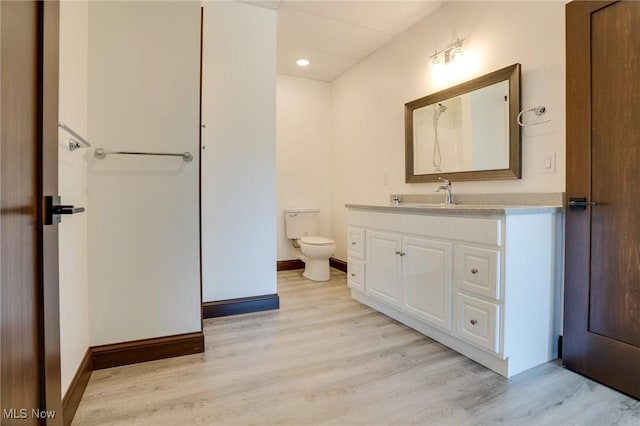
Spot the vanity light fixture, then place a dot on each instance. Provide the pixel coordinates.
(451, 53)
(302, 62)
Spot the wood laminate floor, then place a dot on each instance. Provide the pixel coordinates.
(326, 359)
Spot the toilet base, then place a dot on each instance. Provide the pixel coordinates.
(317, 269)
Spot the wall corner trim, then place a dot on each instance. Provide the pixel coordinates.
(242, 305)
(76, 388)
(117, 354)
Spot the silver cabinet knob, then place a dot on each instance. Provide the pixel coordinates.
(473, 322)
(353, 243)
(400, 253)
(353, 274)
(474, 271)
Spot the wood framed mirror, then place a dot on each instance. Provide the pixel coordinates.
(467, 132)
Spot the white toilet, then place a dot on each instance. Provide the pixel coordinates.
(302, 226)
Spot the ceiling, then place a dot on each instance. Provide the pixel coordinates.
(336, 35)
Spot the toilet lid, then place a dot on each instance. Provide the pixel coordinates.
(316, 241)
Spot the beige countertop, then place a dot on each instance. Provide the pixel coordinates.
(457, 210)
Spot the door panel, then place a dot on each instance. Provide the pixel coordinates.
(615, 143)
(427, 274)
(602, 294)
(383, 266)
(30, 364)
(20, 338)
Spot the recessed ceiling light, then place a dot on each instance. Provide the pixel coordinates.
(302, 62)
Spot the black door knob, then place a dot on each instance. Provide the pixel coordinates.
(53, 209)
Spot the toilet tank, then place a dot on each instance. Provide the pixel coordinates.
(301, 222)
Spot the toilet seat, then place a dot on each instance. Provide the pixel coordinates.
(317, 241)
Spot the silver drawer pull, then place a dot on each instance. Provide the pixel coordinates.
(473, 322)
(474, 271)
(400, 253)
(353, 243)
(353, 274)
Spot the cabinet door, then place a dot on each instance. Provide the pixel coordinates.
(427, 276)
(383, 266)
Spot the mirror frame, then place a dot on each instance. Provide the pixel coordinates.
(514, 171)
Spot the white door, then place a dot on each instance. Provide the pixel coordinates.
(427, 271)
(384, 266)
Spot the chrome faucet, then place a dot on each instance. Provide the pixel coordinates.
(395, 200)
(447, 191)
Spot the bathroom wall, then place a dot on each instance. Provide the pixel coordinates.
(72, 170)
(239, 151)
(367, 153)
(303, 152)
(143, 217)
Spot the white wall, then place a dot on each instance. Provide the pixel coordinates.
(368, 100)
(144, 62)
(303, 154)
(238, 152)
(72, 171)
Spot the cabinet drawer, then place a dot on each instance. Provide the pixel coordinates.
(478, 321)
(356, 242)
(355, 274)
(478, 270)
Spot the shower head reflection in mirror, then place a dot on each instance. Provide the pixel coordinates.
(437, 154)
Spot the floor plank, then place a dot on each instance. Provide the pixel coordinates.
(326, 359)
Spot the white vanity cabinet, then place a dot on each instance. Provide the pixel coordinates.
(479, 281)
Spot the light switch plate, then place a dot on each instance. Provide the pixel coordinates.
(548, 162)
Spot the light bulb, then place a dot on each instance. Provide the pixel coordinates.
(437, 72)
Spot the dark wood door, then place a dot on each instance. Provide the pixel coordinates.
(602, 279)
(29, 339)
